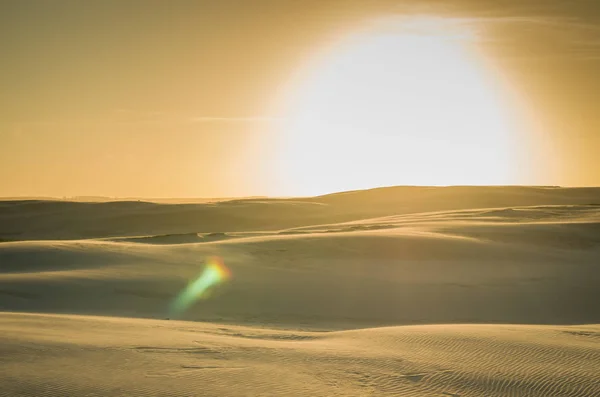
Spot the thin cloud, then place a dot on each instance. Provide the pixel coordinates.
(573, 38)
(137, 119)
(260, 119)
(558, 22)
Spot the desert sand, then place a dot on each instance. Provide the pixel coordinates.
(401, 291)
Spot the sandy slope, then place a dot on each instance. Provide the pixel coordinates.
(386, 257)
(536, 265)
(49, 220)
(72, 355)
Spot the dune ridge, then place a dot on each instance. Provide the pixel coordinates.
(49, 220)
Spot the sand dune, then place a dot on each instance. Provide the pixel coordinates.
(485, 266)
(49, 220)
(313, 279)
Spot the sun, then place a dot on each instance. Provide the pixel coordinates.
(403, 103)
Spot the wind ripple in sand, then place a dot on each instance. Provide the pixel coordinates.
(73, 355)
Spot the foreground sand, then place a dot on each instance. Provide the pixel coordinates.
(325, 298)
(78, 355)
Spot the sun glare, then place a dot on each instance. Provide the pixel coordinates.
(409, 103)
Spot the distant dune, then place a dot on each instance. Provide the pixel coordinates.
(313, 279)
(49, 220)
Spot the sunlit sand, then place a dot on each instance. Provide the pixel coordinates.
(403, 291)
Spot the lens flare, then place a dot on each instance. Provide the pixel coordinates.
(215, 272)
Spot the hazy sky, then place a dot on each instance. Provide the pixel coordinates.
(175, 98)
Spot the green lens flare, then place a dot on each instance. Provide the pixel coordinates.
(215, 272)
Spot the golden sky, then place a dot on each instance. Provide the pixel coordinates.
(183, 98)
